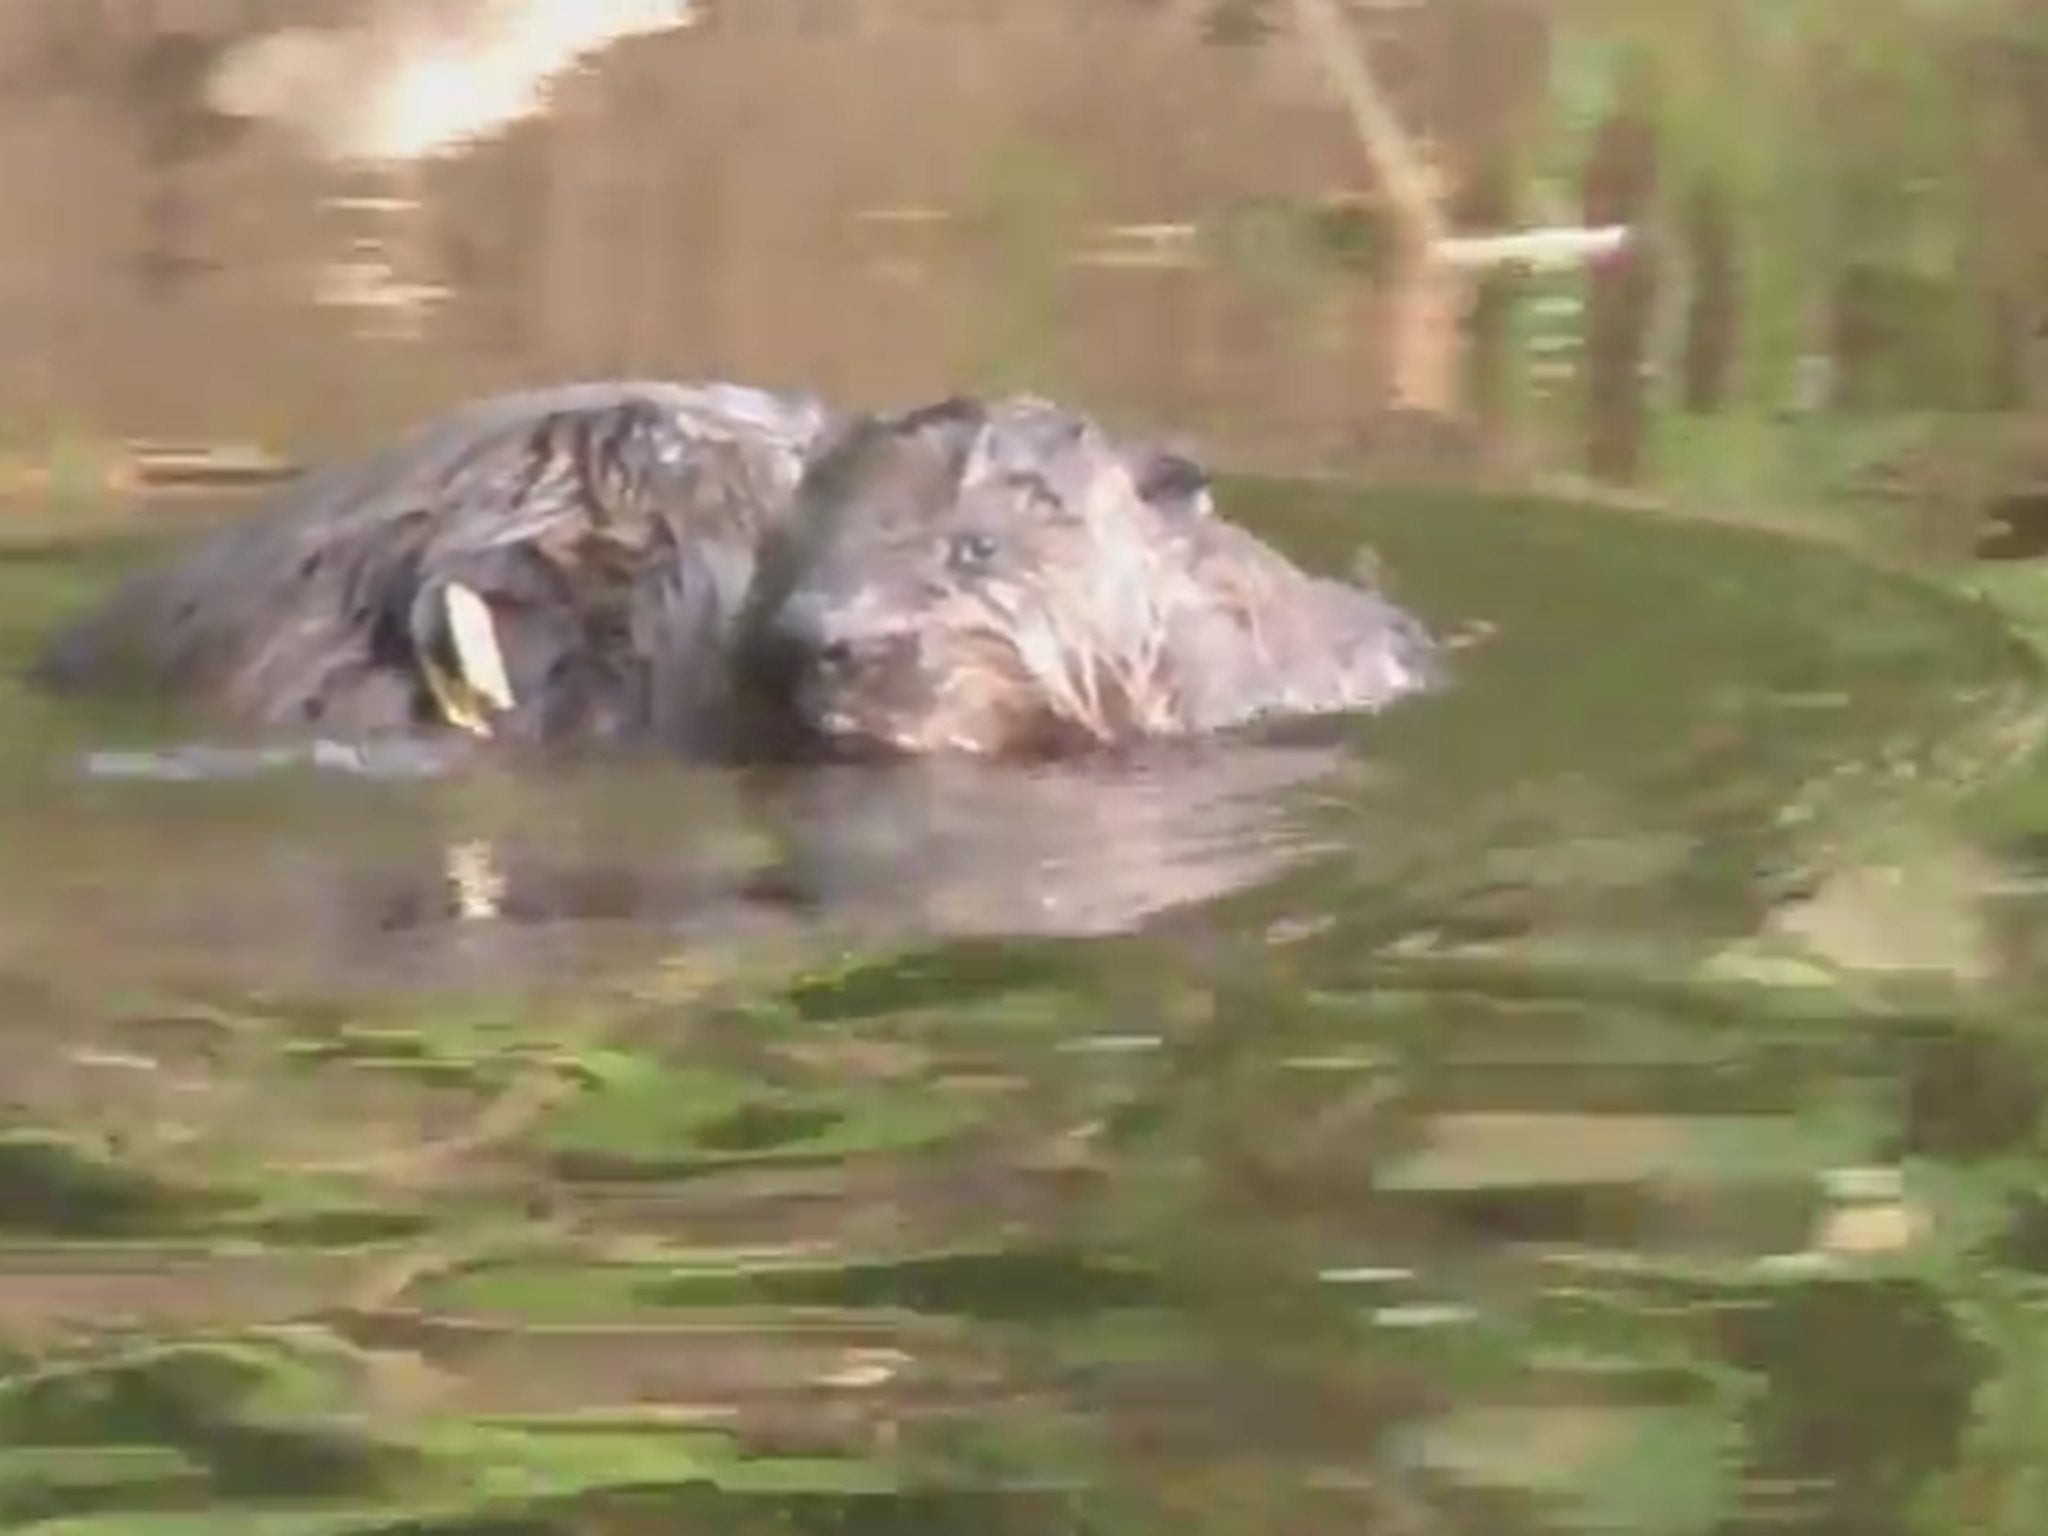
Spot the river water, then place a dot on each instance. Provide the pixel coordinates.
(1538, 1103)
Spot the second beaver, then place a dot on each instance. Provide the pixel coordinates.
(728, 572)
(552, 565)
(1003, 579)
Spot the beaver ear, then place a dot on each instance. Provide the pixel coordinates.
(880, 460)
(948, 430)
(1172, 482)
(954, 422)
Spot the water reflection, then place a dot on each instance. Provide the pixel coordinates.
(1543, 793)
(408, 82)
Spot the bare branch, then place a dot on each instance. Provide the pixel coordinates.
(1388, 146)
(1560, 246)
(1411, 186)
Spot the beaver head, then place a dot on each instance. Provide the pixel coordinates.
(1001, 579)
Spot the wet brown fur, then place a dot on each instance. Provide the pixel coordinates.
(611, 528)
(726, 571)
(1003, 579)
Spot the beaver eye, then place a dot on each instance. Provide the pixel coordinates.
(971, 552)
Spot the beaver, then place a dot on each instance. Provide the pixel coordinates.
(733, 572)
(606, 531)
(1003, 579)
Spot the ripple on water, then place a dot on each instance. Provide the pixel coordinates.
(1505, 1110)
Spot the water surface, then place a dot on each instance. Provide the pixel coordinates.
(1531, 1107)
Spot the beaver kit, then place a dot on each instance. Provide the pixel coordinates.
(729, 572)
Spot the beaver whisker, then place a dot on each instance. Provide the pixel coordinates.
(1044, 658)
(1110, 666)
(1085, 678)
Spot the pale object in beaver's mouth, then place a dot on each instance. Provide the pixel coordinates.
(477, 652)
(480, 686)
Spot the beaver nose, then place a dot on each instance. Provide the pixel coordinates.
(806, 627)
(816, 633)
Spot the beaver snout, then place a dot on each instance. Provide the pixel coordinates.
(825, 659)
(816, 634)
